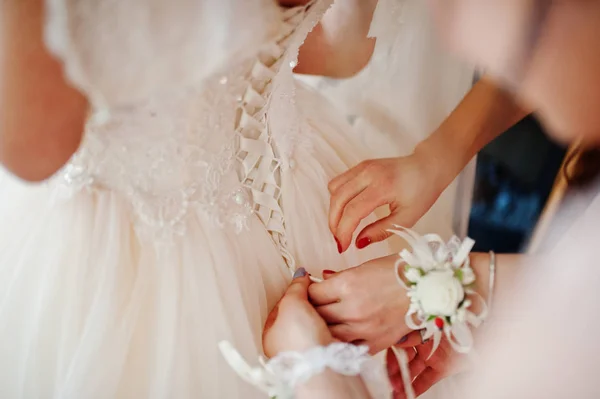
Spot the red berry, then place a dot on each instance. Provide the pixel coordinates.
(439, 322)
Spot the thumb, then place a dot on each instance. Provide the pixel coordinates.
(378, 231)
(375, 232)
(298, 289)
(299, 286)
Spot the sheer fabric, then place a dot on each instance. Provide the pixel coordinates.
(201, 181)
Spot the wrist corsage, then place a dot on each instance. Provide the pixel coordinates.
(439, 281)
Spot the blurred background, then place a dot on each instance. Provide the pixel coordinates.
(515, 177)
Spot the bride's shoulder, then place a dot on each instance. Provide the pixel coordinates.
(119, 51)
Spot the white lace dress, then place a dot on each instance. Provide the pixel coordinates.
(200, 183)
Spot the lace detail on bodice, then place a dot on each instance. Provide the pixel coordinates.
(166, 157)
(214, 151)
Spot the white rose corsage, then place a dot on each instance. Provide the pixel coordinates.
(438, 278)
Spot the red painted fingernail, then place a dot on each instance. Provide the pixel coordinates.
(363, 243)
(338, 245)
(328, 272)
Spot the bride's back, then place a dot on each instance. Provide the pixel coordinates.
(173, 87)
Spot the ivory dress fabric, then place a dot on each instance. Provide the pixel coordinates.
(200, 185)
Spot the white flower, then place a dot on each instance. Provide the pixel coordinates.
(439, 293)
(460, 316)
(468, 276)
(412, 274)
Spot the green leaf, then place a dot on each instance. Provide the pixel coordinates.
(459, 274)
(431, 317)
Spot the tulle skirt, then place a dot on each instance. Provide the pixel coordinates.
(89, 310)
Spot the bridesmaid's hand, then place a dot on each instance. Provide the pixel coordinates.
(365, 304)
(425, 371)
(294, 325)
(408, 185)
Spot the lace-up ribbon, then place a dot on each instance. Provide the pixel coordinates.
(258, 154)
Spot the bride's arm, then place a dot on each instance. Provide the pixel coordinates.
(41, 116)
(338, 46)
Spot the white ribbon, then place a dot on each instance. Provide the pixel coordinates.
(260, 377)
(279, 376)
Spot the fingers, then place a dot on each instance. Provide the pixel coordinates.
(411, 353)
(358, 208)
(327, 274)
(375, 232)
(378, 341)
(410, 341)
(378, 231)
(340, 199)
(417, 366)
(345, 332)
(425, 380)
(332, 314)
(393, 370)
(345, 177)
(299, 287)
(424, 371)
(391, 360)
(324, 292)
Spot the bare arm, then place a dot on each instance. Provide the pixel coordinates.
(41, 116)
(411, 185)
(507, 268)
(486, 112)
(338, 46)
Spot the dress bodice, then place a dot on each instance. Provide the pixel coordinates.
(214, 148)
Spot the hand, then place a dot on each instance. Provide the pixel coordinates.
(294, 325)
(408, 185)
(364, 304)
(424, 372)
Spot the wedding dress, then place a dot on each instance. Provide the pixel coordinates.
(409, 87)
(200, 184)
